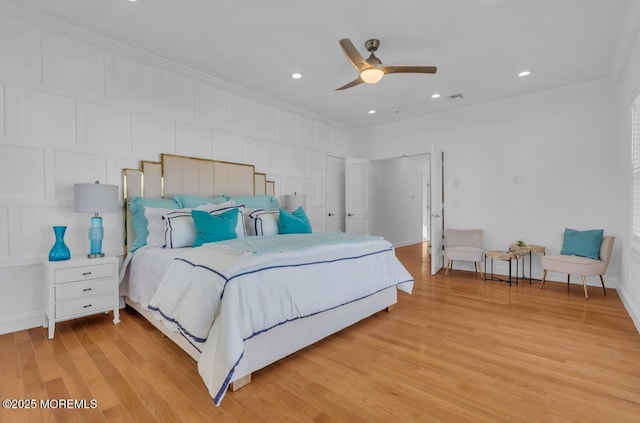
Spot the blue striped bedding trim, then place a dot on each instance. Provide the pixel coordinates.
(226, 382)
(280, 266)
(181, 328)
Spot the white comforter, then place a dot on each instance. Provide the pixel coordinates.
(219, 296)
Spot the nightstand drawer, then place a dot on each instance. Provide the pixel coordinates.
(87, 305)
(82, 273)
(83, 289)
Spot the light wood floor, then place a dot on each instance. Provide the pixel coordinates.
(458, 349)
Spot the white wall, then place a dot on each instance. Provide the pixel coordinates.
(629, 89)
(397, 195)
(76, 109)
(564, 147)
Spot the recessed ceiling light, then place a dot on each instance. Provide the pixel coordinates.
(372, 112)
(435, 95)
(524, 73)
(296, 75)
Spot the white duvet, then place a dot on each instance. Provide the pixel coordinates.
(220, 295)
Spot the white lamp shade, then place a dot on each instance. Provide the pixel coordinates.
(292, 202)
(95, 198)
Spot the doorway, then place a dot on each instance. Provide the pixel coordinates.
(401, 200)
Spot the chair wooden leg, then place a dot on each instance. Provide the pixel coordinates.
(603, 288)
(480, 267)
(544, 277)
(568, 279)
(584, 283)
(446, 273)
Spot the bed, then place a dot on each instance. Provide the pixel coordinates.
(240, 304)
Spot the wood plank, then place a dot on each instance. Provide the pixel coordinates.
(11, 386)
(68, 333)
(33, 386)
(132, 401)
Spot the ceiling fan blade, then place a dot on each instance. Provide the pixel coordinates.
(408, 69)
(350, 84)
(353, 55)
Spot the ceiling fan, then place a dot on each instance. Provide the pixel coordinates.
(372, 70)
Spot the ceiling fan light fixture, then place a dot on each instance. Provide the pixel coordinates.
(371, 75)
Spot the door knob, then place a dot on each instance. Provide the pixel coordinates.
(331, 214)
(350, 214)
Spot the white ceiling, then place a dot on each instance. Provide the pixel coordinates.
(478, 46)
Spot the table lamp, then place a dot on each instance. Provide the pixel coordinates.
(292, 202)
(95, 198)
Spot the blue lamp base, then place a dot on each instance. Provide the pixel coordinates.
(96, 233)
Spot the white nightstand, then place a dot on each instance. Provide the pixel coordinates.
(80, 287)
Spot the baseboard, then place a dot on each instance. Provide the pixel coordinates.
(19, 322)
(633, 311)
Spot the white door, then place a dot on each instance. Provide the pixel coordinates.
(335, 211)
(357, 195)
(437, 209)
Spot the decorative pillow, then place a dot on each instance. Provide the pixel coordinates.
(256, 201)
(294, 223)
(582, 243)
(179, 230)
(264, 222)
(156, 225)
(191, 201)
(139, 220)
(212, 228)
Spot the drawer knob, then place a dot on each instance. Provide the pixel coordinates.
(87, 289)
(86, 306)
(86, 273)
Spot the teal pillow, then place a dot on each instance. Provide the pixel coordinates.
(212, 228)
(138, 219)
(582, 243)
(255, 201)
(294, 223)
(191, 201)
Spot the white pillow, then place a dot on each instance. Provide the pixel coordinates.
(249, 227)
(181, 232)
(265, 222)
(156, 224)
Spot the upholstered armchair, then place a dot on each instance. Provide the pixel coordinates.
(463, 245)
(579, 265)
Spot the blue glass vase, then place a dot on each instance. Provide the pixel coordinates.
(59, 251)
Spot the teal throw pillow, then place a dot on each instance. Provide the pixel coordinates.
(212, 228)
(294, 223)
(255, 201)
(582, 243)
(191, 201)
